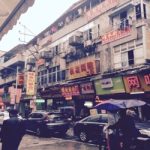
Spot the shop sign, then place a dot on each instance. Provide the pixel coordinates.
(106, 83)
(30, 83)
(51, 92)
(115, 35)
(15, 95)
(87, 88)
(69, 91)
(82, 68)
(145, 81)
(20, 79)
(101, 8)
(117, 86)
(132, 84)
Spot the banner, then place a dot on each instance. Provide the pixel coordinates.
(15, 95)
(30, 90)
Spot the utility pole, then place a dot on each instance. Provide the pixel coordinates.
(16, 88)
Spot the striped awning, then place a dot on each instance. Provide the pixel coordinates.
(10, 12)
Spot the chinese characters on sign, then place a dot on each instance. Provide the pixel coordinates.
(115, 35)
(133, 82)
(82, 69)
(30, 83)
(15, 95)
(101, 8)
(70, 91)
(87, 88)
(147, 79)
(20, 79)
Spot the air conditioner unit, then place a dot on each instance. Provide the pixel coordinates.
(31, 61)
(88, 43)
(75, 40)
(46, 54)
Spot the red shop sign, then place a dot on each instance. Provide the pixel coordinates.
(87, 88)
(147, 79)
(70, 90)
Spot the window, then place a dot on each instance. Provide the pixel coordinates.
(127, 58)
(95, 2)
(139, 33)
(124, 21)
(55, 74)
(131, 57)
(92, 119)
(138, 11)
(144, 8)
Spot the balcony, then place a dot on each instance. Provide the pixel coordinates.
(75, 41)
(8, 79)
(17, 59)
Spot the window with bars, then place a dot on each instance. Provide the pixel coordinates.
(51, 75)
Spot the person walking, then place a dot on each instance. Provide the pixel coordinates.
(13, 129)
(127, 127)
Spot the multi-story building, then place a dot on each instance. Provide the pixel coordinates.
(12, 75)
(97, 49)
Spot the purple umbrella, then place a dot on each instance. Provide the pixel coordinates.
(114, 104)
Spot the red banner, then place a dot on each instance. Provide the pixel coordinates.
(115, 35)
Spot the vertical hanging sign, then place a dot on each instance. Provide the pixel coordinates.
(30, 83)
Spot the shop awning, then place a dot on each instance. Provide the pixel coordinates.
(10, 12)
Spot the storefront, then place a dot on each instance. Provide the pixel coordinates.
(53, 97)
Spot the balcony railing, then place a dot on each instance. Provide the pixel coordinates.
(8, 79)
(17, 58)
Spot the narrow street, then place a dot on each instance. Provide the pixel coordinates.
(30, 142)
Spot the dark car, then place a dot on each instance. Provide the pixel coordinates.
(43, 123)
(91, 127)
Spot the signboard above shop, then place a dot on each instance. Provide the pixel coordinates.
(83, 68)
(87, 88)
(109, 86)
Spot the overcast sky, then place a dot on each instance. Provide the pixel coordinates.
(38, 17)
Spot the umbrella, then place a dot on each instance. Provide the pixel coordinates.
(114, 104)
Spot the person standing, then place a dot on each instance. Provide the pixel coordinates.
(13, 129)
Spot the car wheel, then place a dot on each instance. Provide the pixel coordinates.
(83, 136)
(38, 132)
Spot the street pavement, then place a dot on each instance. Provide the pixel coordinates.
(70, 142)
(30, 142)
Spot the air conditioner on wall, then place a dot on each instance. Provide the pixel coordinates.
(88, 43)
(31, 61)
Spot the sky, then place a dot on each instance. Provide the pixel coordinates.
(38, 17)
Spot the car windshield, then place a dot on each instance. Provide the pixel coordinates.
(102, 118)
(55, 117)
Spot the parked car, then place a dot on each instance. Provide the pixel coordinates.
(68, 112)
(4, 115)
(42, 123)
(92, 127)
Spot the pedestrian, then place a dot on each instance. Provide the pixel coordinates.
(13, 129)
(126, 125)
